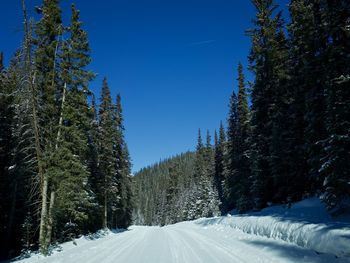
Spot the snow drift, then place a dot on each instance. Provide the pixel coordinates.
(306, 224)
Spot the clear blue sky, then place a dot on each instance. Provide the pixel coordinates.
(173, 61)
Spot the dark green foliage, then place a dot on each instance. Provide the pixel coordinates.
(294, 181)
(48, 32)
(237, 164)
(114, 167)
(155, 189)
(51, 139)
(242, 169)
(203, 200)
(287, 187)
(72, 201)
(8, 180)
(219, 176)
(106, 160)
(232, 147)
(264, 60)
(123, 203)
(17, 186)
(335, 165)
(72, 148)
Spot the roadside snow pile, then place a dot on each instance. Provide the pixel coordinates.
(306, 224)
(69, 245)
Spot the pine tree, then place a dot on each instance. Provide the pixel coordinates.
(203, 198)
(123, 196)
(335, 166)
(288, 189)
(301, 30)
(307, 83)
(231, 178)
(72, 138)
(106, 160)
(199, 180)
(315, 79)
(242, 162)
(242, 107)
(209, 157)
(48, 32)
(9, 79)
(219, 166)
(263, 63)
(92, 163)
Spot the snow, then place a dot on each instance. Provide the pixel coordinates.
(11, 167)
(303, 233)
(306, 224)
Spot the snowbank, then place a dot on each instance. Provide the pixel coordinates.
(306, 224)
(70, 245)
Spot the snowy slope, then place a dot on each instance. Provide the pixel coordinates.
(275, 234)
(306, 224)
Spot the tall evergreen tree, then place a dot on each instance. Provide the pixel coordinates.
(232, 147)
(242, 162)
(48, 33)
(123, 196)
(301, 38)
(315, 78)
(308, 42)
(335, 166)
(92, 161)
(10, 182)
(287, 188)
(219, 165)
(263, 63)
(106, 160)
(242, 107)
(72, 137)
(209, 157)
(203, 200)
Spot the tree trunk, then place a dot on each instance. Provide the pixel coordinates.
(105, 211)
(50, 219)
(60, 122)
(43, 217)
(35, 125)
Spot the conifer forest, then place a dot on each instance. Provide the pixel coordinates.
(65, 167)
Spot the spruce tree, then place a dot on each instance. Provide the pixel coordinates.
(301, 30)
(263, 63)
(308, 41)
(242, 162)
(231, 179)
(335, 167)
(106, 160)
(73, 207)
(209, 157)
(92, 163)
(122, 203)
(315, 78)
(9, 179)
(287, 188)
(48, 33)
(219, 166)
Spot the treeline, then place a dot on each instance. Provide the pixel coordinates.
(64, 162)
(160, 190)
(181, 188)
(289, 136)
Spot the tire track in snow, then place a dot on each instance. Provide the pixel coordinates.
(209, 247)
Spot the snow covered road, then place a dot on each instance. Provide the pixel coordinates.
(185, 242)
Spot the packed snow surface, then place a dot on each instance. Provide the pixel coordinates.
(303, 233)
